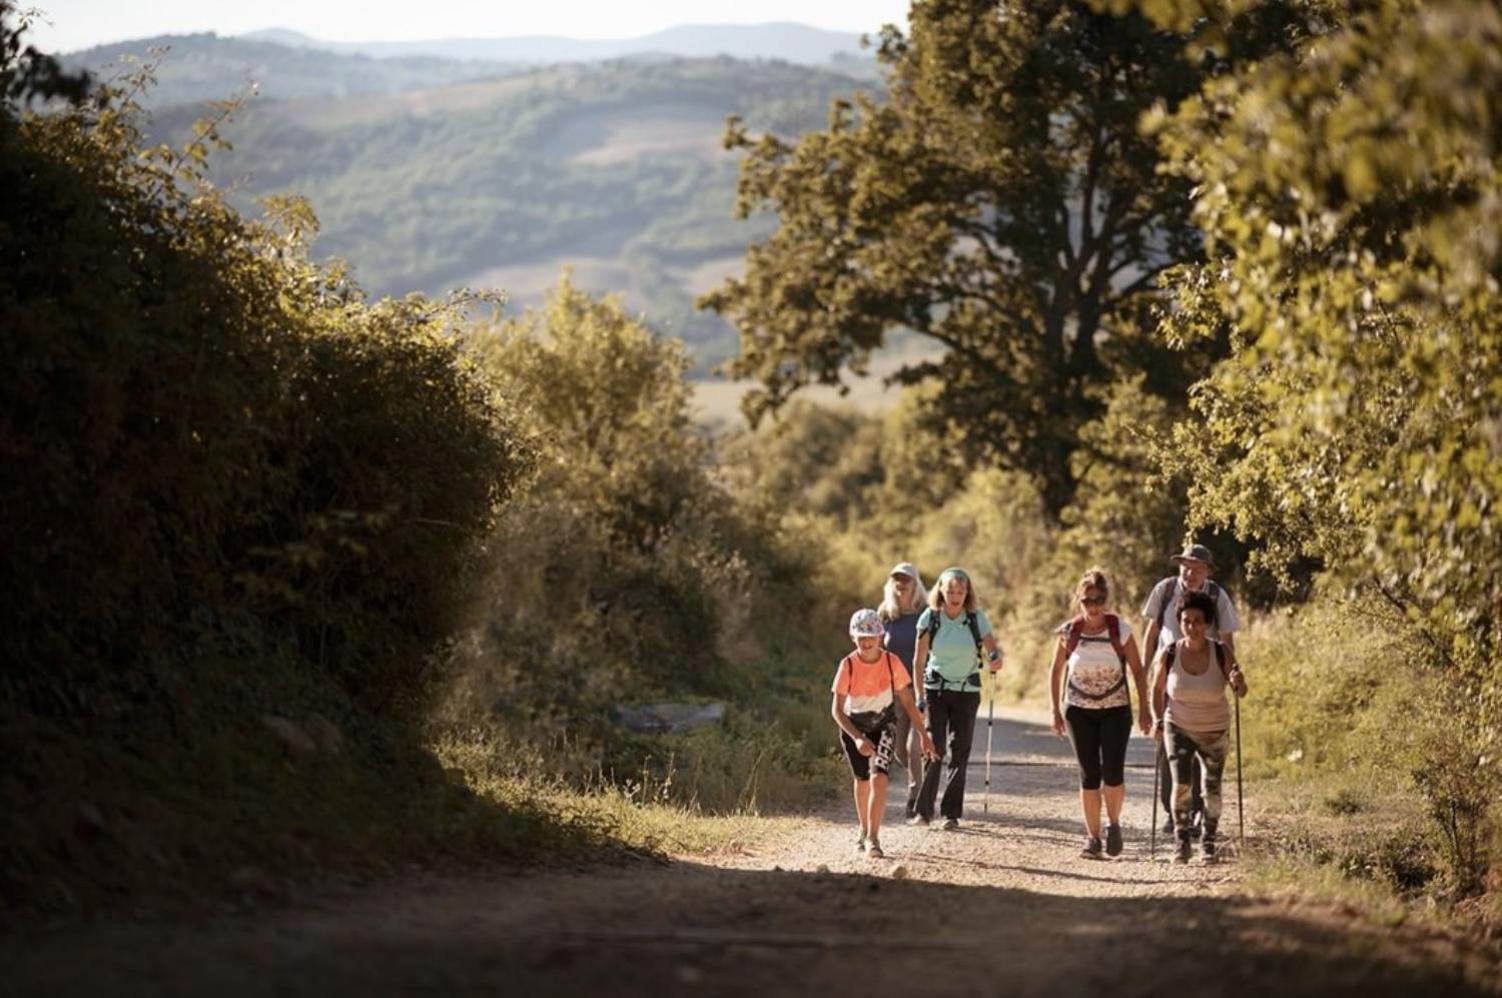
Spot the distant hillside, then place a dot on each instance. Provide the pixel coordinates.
(614, 168)
(208, 67)
(793, 42)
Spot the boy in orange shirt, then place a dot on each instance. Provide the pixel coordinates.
(868, 685)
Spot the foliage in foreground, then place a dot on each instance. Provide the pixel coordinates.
(241, 507)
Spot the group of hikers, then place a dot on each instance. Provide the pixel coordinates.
(910, 692)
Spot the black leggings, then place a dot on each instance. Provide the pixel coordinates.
(1100, 739)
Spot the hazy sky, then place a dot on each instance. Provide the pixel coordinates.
(81, 23)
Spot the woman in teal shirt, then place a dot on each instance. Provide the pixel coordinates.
(954, 641)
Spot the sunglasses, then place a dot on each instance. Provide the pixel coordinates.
(1094, 601)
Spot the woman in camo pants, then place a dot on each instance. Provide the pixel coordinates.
(1191, 715)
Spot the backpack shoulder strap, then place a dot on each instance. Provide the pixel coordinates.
(1220, 658)
(1168, 654)
(1074, 630)
(973, 620)
(1173, 585)
(1113, 631)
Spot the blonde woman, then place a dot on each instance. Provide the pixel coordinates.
(955, 641)
(903, 601)
(1096, 652)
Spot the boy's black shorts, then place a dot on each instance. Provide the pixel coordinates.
(885, 741)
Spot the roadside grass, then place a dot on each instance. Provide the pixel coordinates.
(1338, 732)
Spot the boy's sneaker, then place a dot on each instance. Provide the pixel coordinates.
(1207, 850)
(1182, 854)
(1092, 848)
(874, 850)
(1113, 840)
(950, 824)
(918, 819)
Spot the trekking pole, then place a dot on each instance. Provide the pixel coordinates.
(1152, 835)
(990, 711)
(1240, 815)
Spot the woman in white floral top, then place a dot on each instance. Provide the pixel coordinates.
(1094, 654)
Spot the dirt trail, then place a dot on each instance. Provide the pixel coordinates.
(1001, 906)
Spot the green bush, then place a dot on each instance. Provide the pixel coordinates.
(625, 572)
(238, 499)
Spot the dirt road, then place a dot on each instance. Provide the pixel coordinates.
(1001, 906)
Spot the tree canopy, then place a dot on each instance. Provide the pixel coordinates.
(1001, 201)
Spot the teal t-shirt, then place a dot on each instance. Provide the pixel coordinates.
(951, 653)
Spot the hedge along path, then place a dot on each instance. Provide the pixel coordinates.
(1004, 905)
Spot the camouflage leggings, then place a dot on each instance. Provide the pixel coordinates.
(1212, 750)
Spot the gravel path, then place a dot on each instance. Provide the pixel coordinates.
(1001, 906)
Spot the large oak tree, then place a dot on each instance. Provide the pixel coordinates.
(1000, 200)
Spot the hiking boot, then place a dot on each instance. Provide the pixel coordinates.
(918, 819)
(1092, 848)
(860, 843)
(1182, 854)
(1167, 828)
(1113, 840)
(950, 824)
(874, 850)
(1207, 851)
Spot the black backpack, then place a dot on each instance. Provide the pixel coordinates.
(1220, 657)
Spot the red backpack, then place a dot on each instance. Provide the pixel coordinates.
(1076, 633)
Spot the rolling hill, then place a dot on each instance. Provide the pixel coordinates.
(613, 168)
(204, 67)
(792, 42)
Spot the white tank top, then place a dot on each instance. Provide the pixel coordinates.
(1197, 704)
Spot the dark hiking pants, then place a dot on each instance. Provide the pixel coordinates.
(951, 724)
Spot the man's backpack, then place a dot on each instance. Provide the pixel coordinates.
(1076, 633)
(1211, 590)
(932, 679)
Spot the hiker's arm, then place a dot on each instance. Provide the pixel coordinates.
(994, 656)
(1236, 678)
(910, 707)
(837, 711)
(1160, 691)
(1055, 677)
(920, 662)
(1139, 677)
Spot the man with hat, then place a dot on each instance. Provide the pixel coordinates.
(1161, 614)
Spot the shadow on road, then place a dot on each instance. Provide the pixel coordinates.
(693, 928)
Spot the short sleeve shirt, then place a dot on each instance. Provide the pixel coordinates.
(902, 638)
(951, 653)
(1226, 620)
(869, 687)
(1095, 672)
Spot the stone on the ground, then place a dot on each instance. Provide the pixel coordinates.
(294, 738)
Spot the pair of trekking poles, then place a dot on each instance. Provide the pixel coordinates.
(1152, 847)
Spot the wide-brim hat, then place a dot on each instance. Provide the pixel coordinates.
(1194, 552)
